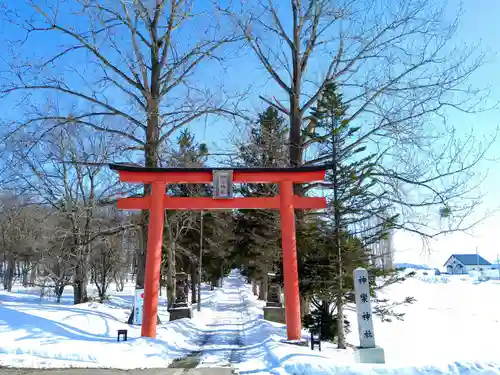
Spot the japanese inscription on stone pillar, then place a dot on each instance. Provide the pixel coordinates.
(363, 308)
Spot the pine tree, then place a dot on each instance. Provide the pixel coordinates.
(259, 241)
(354, 198)
(318, 266)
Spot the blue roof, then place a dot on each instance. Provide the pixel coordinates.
(471, 259)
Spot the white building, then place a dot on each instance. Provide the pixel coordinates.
(464, 263)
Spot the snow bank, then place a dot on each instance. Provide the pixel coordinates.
(485, 275)
(39, 334)
(457, 368)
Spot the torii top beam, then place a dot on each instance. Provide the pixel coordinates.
(137, 174)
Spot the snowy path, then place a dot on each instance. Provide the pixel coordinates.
(224, 339)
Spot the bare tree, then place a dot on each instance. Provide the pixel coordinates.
(57, 264)
(400, 75)
(177, 225)
(54, 169)
(107, 259)
(21, 238)
(139, 63)
(129, 241)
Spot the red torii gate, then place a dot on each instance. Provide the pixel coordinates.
(223, 179)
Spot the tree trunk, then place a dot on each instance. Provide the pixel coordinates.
(80, 282)
(325, 314)
(33, 275)
(143, 245)
(150, 153)
(304, 306)
(295, 147)
(79, 291)
(194, 282)
(338, 241)
(104, 286)
(25, 270)
(8, 278)
(340, 322)
(120, 281)
(171, 273)
(58, 291)
(254, 288)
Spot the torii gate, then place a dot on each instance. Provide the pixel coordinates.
(223, 180)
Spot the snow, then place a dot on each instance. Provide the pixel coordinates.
(412, 265)
(454, 319)
(452, 328)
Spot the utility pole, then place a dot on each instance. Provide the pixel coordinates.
(200, 262)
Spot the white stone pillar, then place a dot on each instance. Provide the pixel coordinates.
(363, 308)
(367, 351)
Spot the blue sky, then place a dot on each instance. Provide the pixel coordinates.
(479, 23)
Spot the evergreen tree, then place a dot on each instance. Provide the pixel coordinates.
(354, 199)
(183, 227)
(258, 232)
(318, 266)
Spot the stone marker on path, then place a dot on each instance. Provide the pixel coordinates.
(180, 308)
(367, 352)
(274, 310)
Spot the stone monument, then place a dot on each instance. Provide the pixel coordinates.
(367, 352)
(180, 309)
(274, 310)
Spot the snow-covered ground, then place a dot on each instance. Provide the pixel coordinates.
(453, 328)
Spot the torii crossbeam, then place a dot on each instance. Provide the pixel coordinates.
(223, 180)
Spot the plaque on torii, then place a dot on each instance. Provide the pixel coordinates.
(222, 199)
(223, 184)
